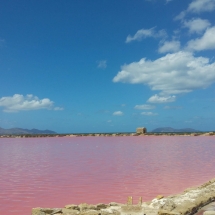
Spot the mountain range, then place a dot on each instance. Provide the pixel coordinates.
(24, 131)
(169, 129)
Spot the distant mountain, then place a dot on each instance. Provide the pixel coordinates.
(24, 131)
(169, 129)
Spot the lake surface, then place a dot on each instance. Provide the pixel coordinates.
(53, 172)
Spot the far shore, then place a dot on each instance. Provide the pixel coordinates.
(108, 134)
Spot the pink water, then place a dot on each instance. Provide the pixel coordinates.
(53, 172)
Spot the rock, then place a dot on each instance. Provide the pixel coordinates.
(85, 206)
(168, 205)
(131, 208)
(37, 211)
(70, 211)
(72, 206)
(47, 210)
(90, 212)
(56, 211)
(101, 206)
(114, 204)
(159, 197)
(186, 208)
(164, 212)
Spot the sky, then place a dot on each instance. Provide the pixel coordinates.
(80, 66)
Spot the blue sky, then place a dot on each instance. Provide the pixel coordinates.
(107, 66)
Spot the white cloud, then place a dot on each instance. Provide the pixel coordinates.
(170, 46)
(196, 25)
(102, 64)
(149, 114)
(144, 107)
(198, 6)
(118, 113)
(161, 99)
(175, 73)
(207, 41)
(25, 103)
(180, 16)
(144, 33)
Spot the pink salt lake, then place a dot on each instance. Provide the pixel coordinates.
(53, 172)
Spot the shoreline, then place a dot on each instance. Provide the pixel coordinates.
(107, 134)
(188, 202)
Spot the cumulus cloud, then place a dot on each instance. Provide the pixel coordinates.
(169, 46)
(25, 103)
(149, 114)
(207, 41)
(118, 113)
(102, 64)
(196, 25)
(144, 107)
(180, 72)
(161, 99)
(144, 33)
(198, 6)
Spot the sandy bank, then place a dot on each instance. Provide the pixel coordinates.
(186, 203)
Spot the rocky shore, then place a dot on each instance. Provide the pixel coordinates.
(189, 202)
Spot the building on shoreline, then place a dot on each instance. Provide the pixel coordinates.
(141, 130)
